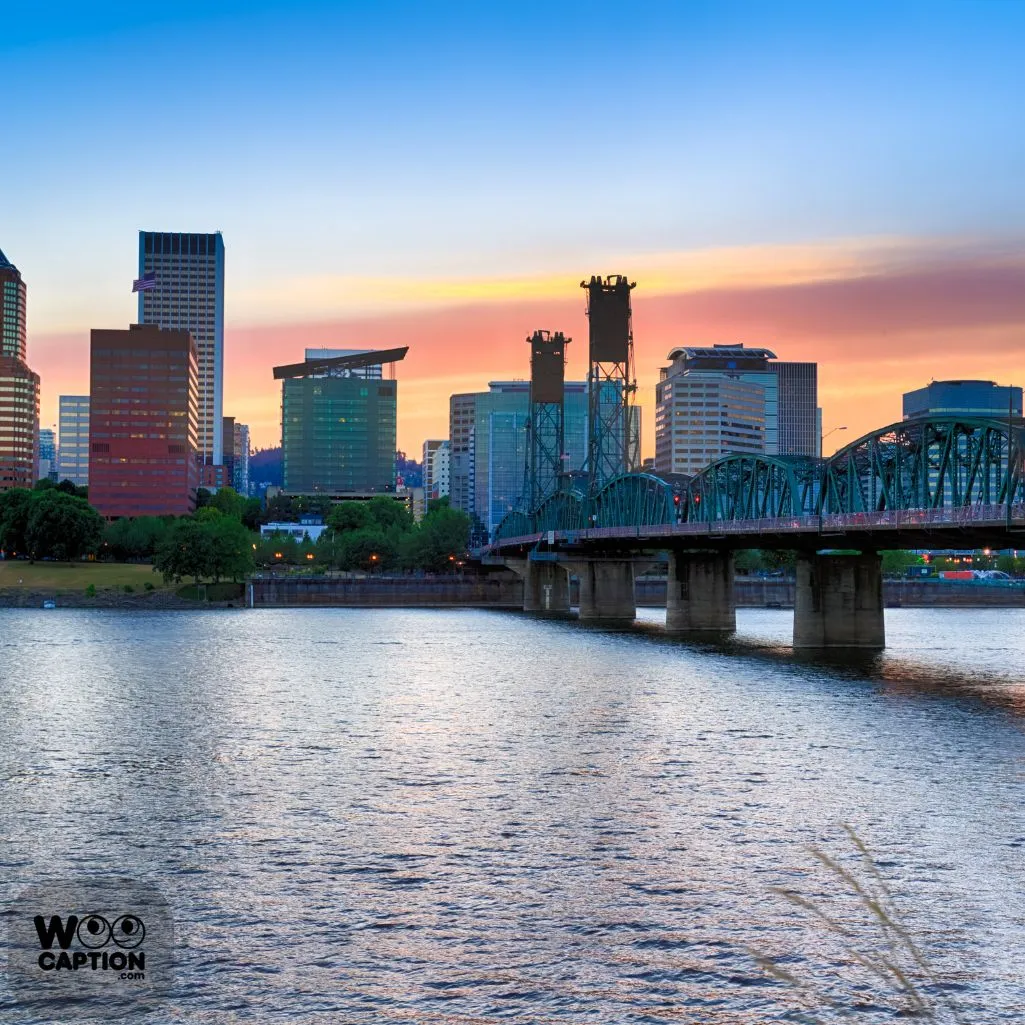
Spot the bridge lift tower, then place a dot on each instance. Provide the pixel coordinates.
(546, 441)
(610, 378)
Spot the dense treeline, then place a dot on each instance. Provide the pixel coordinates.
(221, 540)
(378, 535)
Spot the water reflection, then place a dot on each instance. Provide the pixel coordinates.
(453, 817)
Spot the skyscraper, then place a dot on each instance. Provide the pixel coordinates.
(19, 386)
(714, 400)
(144, 388)
(47, 466)
(189, 296)
(488, 436)
(436, 467)
(73, 439)
(964, 398)
(338, 427)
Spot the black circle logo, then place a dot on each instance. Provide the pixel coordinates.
(128, 931)
(93, 931)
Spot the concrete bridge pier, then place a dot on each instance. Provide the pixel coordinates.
(839, 601)
(546, 588)
(545, 585)
(699, 593)
(606, 590)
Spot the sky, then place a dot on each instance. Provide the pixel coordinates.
(839, 182)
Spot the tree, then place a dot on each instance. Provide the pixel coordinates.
(439, 540)
(134, 538)
(252, 514)
(14, 510)
(368, 549)
(231, 549)
(349, 516)
(186, 551)
(389, 514)
(203, 496)
(61, 526)
(229, 502)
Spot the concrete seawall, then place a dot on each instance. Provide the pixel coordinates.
(506, 591)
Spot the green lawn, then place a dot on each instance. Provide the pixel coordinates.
(76, 576)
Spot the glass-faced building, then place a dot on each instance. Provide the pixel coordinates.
(338, 434)
(189, 296)
(488, 447)
(73, 439)
(963, 398)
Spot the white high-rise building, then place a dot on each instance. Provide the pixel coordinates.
(713, 401)
(437, 468)
(188, 295)
(73, 439)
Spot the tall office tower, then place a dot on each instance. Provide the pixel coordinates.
(776, 400)
(437, 462)
(338, 428)
(700, 420)
(240, 470)
(228, 450)
(964, 398)
(143, 422)
(488, 434)
(188, 295)
(19, 386)
(799, 420)
(73, 440)
(47, 466)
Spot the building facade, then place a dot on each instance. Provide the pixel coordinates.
(766, 402)
(47, 466)
(73, 439)
(488, 447)
(437, 464)
(143, 422)
(338, 433)
(19, 386)
(240, 467)
(189, 296)
(700, 419)
(964, 398)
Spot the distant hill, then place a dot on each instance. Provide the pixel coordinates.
(265, 466)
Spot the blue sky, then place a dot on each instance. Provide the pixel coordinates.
(333, 143)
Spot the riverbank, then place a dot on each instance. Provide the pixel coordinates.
(501, 590)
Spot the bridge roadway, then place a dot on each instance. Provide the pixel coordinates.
(928, 482)
(838, 596)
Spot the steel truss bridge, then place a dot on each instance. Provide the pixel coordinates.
(939, 482)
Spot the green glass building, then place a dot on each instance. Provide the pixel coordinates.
(338, 434)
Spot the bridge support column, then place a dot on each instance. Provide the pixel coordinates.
(545, 588)
(699, 593)
(839, 601)
(607, 590)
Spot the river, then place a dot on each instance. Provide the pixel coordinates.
(456, 817)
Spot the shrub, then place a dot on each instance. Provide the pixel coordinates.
(90, 591)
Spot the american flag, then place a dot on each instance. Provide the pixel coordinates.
(147, 281)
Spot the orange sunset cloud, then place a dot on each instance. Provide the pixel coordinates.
(879, 318)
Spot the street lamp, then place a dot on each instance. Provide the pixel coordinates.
(822, 440)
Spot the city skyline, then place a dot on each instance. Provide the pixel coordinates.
(818, 182)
